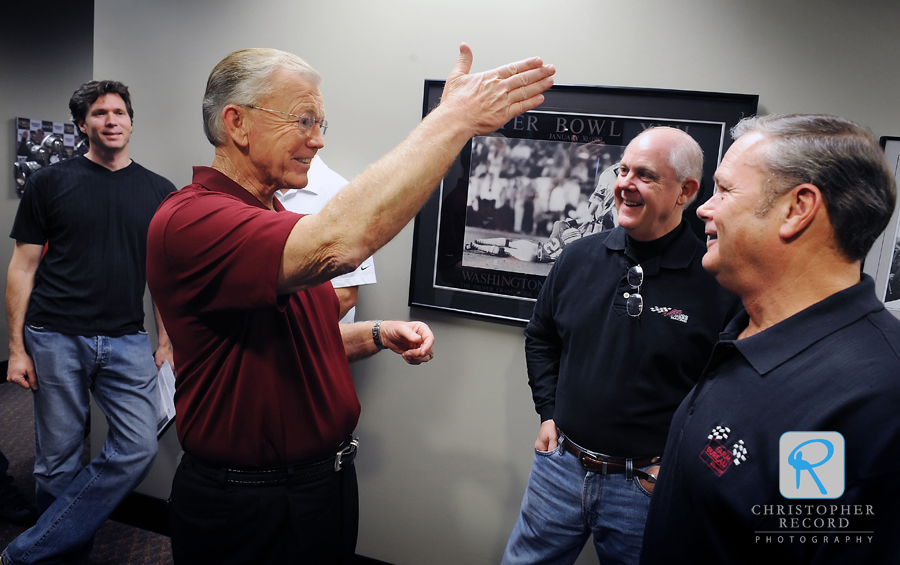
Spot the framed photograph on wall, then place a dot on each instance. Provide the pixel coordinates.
(485, 241)
(40, 143)
(883, 261)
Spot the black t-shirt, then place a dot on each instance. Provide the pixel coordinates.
(91, 279)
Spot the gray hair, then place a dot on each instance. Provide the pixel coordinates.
(839, 157)
(686, 156)
(243, 78)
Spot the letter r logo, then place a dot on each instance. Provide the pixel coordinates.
(811, 465)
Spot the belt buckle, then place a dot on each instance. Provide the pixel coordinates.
(338, 458)
(584, 455)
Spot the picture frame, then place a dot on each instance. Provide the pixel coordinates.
(39, 143)
(486, 239)
(883, 261)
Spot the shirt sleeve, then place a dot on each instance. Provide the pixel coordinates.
(221, 253)
(364, 274)
(543, 349)
(30, 224)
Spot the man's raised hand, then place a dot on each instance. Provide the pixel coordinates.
(485, 101)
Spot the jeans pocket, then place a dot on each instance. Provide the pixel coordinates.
(645, 486)
(552, 451)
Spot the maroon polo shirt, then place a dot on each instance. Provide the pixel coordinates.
(262, 379)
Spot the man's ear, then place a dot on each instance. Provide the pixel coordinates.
(803, 203)
(688, 189)
(236, 125)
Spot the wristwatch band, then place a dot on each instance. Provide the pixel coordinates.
(376, 335)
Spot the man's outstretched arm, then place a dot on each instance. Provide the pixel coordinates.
(376, 205)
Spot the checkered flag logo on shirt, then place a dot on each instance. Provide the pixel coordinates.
(720, 433)
(739, 452)
(717, 455)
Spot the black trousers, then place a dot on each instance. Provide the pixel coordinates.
(312, 521)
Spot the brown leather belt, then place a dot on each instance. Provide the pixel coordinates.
(606, 465)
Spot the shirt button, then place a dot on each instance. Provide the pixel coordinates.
(626, 295)
(691, 410)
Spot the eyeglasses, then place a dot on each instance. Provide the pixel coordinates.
(634, 302)
(305, 122)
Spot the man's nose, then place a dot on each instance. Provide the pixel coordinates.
(704, 210)
(316, 139)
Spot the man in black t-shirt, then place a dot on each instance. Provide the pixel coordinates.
(621, 329)
(74, 305)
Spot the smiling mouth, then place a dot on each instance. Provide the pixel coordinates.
(622, 194)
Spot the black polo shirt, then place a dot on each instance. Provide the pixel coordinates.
(832, 367)
(610, 381)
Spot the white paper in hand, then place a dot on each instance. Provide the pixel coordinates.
(166, 409)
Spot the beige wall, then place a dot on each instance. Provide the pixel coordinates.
(446, 448)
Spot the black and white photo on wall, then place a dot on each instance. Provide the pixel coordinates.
(883, 261)
(485, 241)
(40, 143)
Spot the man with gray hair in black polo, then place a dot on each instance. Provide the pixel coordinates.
(622, 326)
(788, 448)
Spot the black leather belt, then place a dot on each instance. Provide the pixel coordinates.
(282, 474)
(607, 465)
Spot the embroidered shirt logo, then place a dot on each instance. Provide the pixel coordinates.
(718, 457)
(672, 313)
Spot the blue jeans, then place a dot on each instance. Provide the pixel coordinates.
(564, 504)
(75, 501)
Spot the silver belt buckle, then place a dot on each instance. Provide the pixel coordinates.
(338, 458)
